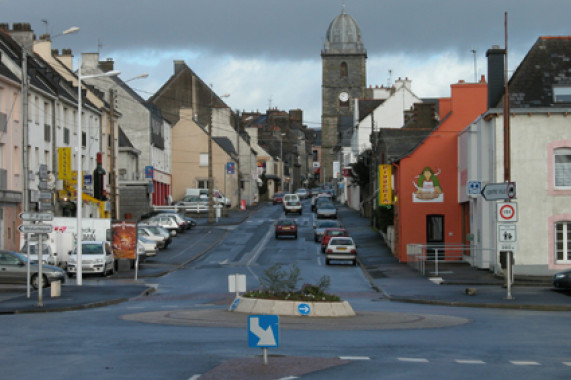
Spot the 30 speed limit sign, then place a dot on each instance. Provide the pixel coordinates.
(507, 211)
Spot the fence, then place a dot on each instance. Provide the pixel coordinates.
(423, 257)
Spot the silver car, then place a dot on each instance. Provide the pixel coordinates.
(13, 270)
(163, 220)
(326, 210)
(321, 225)
(147, 232)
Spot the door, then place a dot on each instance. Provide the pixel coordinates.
(435, 236)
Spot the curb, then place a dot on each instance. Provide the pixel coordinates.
(290, 308)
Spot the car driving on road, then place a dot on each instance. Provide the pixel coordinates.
(341, 248)
(286, 227)
(321, 225)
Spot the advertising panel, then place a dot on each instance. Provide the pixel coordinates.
(385, 185)
(124, 240)
(64, 163)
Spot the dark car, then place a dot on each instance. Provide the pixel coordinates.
(286, 227)
(562, 280)
(278, 198)
(13, 270)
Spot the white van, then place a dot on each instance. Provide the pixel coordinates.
(292, 203)
(217, 196)
(96, 257)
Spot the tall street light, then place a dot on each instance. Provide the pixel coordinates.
(79, 166)
(25, 131)
(210, 175)
(282, 159)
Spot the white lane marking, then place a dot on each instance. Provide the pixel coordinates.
(413, 360)
(521, 362)
(354, 358)
(464, 361)
(194, 377)
(289, 378)
(568, 364)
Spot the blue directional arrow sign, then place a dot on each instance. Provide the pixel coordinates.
(303, 309)
(263, 330)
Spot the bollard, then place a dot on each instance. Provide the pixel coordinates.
(55, 287)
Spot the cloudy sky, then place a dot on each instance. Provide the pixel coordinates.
(267, 52)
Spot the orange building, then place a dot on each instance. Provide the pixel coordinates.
(426, 206)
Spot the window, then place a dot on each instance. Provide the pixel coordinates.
(203, 159)
(562, 168)
(202, 184)
(563, 242)
(47, 133)
(562, 94)
(343, 71)
(66, 136)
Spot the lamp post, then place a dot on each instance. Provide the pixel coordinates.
(25, 143)
(210, 175)
(282, 159)
(79, 166)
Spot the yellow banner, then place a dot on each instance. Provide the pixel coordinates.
(385, 197)
(64, 163)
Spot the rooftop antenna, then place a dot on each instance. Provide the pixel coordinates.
(45, 21)
(389, 78)
(99, 46)
(475, 66)
(270, 103)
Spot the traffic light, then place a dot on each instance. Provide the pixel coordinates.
(99, 181)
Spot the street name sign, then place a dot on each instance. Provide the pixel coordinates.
(35, 228)
(499, 191)
(263, 331)
(36, 216)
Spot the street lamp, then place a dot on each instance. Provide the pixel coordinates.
(25, 131)
(282, 160)
(79, 164)
(210, 175)
(25, 142)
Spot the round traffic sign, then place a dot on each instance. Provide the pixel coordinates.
(507, 212)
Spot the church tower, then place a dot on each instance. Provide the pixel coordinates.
(344, 79)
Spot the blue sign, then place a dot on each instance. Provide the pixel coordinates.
(235, 304)
(263, 331)
(303, 309)
(230, 168)
(149, 172)
(87, 180)
(474, 187)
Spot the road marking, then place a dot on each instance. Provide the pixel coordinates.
(413, 360)
(568, 364)
(289, 378)
(521, 362)
(194, 377)
(354, 358)
(464, 361)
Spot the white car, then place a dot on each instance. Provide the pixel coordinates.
(150, 246)
(292, 203)
(341, 248)
(163, 220)
(96, 257)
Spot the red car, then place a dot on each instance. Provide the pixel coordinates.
(332, 232)
(278, 198)
(286, 227)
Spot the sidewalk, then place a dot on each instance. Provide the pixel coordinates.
(399, 282)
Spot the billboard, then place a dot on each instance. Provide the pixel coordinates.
(124, 240)
(385, 195)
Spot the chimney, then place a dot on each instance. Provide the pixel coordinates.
(178, 65)
(66, 58)
(23, 34)
(496, 60)
(106, 65)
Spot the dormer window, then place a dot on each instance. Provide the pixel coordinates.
(562, 94)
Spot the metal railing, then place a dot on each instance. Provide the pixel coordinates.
(419, 255)
(196, 208)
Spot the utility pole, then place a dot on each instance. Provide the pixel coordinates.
(112, 167)
(210, 181)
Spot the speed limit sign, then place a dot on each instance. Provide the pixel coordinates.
(507, 211)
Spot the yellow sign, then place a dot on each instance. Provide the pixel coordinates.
(64, 163)
(385, 185)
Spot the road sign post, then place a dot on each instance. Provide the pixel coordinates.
(263, 331)
(35, 228)
(499, 191)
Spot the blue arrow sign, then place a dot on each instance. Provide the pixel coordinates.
(263, 330)
(303, 309)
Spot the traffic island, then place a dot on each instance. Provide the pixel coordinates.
(292, 308)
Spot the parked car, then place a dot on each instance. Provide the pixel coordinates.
(96, 257)
(150, 247)
(292, 203)
(194, 203)
(329, 233)
(187, 222)
(158, 230)
(163, 221)
(341, 248)
(326, 210)
(286, 227)
(321, 225)
(147, 232)
(317, 198)
(13, 270)
(278, 198)
(302, 193)
(562, 280)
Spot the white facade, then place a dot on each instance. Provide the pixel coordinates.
(389, 114)
(536, 135)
